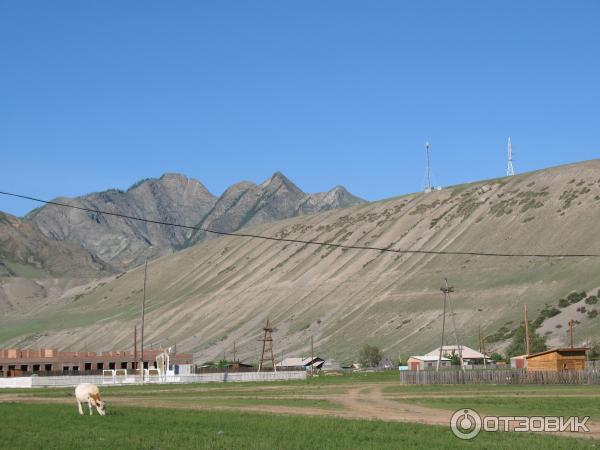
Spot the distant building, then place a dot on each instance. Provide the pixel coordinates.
(306, 363)
(558, 359)
(427, 362)
(470, 356)
(49, 360)
(331, 365)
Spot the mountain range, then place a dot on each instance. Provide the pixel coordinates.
(125, 243)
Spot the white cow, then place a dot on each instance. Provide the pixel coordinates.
(87, 392)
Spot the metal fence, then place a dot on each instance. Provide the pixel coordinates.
(501, 376)
(222, 377)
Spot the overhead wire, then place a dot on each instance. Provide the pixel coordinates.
(388, 249)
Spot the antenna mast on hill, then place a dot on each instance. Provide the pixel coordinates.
(428, 187)
(510, 171)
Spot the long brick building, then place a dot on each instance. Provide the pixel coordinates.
(51, 361)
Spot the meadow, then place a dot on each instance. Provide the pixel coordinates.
(346, 412)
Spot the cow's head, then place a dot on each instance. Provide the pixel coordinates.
(101, 407)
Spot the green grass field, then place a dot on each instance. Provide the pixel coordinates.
(52, 426)
(283, 415)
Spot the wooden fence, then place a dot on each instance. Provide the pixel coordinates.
(500, 376)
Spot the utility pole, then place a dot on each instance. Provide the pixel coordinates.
(142, 336)
(267, 347)
(439, 361)
(571, 322)
(527, 340)
(482, 346)
(447, 290)
(234, 353)
(312, 356)
(135, 345)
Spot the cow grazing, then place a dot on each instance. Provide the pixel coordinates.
(87, 392)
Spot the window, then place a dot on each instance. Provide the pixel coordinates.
(124, 365)
(48, 367)
(24, 367)
(87, 366)
(111, 365)
(100, 366)
(75, 368)
(36, 367)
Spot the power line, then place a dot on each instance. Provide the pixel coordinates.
(301, 241)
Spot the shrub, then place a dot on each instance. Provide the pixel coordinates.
(592, 313)
(369, 356)
(563, 303)
(575, 297)
(591, 300)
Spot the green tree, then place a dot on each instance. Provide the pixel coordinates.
(496, 357)
(369, 356)
(517, 346)
(594, 352)
(454, 358)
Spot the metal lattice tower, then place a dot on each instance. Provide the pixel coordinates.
(267, 347)
(510, 171)
(428, 187)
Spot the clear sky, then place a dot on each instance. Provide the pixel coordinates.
(99, 94)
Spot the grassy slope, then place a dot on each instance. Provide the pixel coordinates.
(221, 291)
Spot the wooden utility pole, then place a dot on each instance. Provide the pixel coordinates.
(527, 340)
(437, 368)
(482, 346)
(135, 355)
(312, 356)
(571, 322)
(267, 347)
(142, 336)
(234, 353)
(447, 290)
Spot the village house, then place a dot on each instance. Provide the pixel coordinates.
(306, 363)
(427, 362)
(558, 359)
(470, 356)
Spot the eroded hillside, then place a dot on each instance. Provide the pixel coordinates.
(221, 291)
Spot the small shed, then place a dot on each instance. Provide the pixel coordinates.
(427, 362)
(518, 362)
(558, 359)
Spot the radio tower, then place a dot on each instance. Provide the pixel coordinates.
(428, 187)
(510, 171)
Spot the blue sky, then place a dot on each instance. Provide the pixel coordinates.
(100, 94)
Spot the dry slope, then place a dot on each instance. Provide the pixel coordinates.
(221, 291)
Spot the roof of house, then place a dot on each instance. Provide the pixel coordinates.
(427, 358)
(518, 357)
(294, 362)
(467, 352)
(559, 350)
